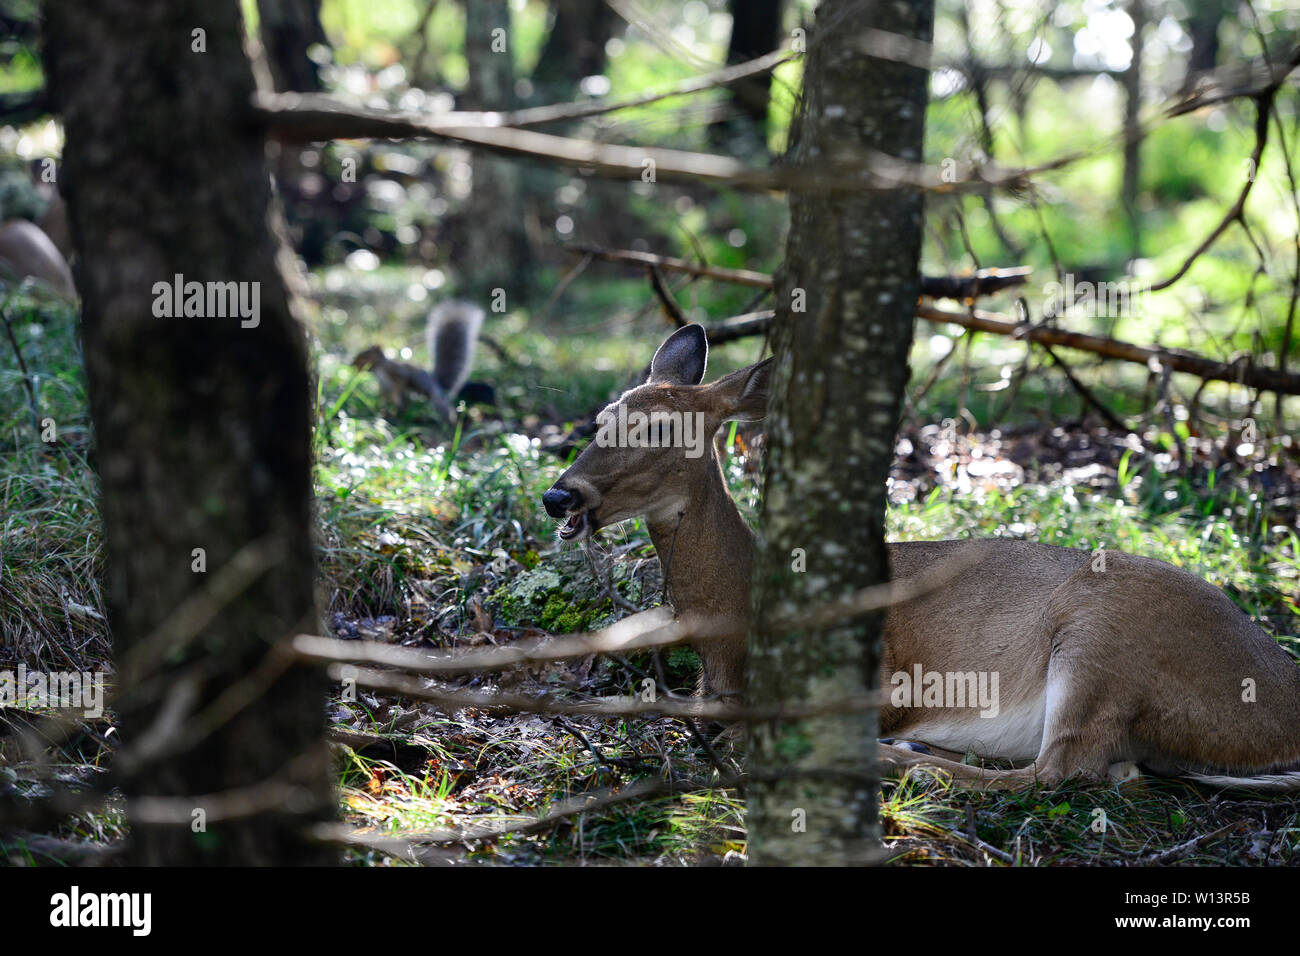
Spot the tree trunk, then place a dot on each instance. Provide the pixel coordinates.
(202, 426)
(1203, 27)
(288, 28)
(755, 30)
(574, 48)
(492, 250)
(843, 327)
(1132, 130)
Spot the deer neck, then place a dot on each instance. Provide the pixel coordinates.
(705, 548)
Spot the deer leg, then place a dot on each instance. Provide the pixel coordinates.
(897, 760)
(1086, 723)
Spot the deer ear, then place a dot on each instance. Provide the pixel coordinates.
(682, 357)
(742, 395)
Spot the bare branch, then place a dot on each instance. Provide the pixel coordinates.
(315, 117)
(652, 628)
(981, 283)
(641, 631)
(1180, 360)
(452, 699)
(666, 297)
(535, 116)
(1233, 214)
(403, 844)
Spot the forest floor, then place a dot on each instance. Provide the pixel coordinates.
(432, 537)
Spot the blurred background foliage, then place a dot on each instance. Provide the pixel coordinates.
(1018, 83)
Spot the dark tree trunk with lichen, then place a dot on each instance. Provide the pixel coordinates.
(202, 429)
(843, 328)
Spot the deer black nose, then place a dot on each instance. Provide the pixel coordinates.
(558, 501)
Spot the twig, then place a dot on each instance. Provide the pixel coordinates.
(402, 844)
(22, 367)
(582, 739)
(606, 580)
(726, 773)
(278, 792)
(1179, 360)
(656, 627)
(1167, 408)
(738, 327)
(405, 685)
(562, 286)
(199, 608)
(979, 844)
(315, 117)
(1111, 418)
(666, 297)
(1262, 104)
(1182, 849)
(537, 115)
(1284, 347)
(981, 283)
(422, 30)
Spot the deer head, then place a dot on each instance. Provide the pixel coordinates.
(653, 451)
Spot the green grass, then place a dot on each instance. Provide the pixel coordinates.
(926, 822)
(1214, 524)
(424, 529)
(425, 532)
(51, 608)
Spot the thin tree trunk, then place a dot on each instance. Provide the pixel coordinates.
(1132, 129)
(755, 30)
(202, 426)
(852, 264)
(493, 251)
(288, 28)
(574, 48)
(1203, 26)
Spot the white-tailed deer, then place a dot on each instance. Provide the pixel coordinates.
(26, 251)
(1094, 669)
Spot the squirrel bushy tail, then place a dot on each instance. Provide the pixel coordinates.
(453, 335)
(453, 331)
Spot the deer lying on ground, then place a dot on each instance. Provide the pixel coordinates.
(1096, 671)
(27, 252)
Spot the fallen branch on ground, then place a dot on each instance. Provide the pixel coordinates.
(407, 845)
(401, 845)
(644, 630)
(450, 699)
(1182, 849)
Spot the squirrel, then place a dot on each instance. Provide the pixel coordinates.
(453, 331)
